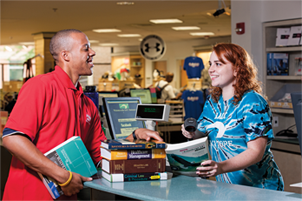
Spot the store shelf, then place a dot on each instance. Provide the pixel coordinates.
(284, 49)
(272, 84)
(282, 111)
(276, 77)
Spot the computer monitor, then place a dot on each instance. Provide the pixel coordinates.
(120, 116)
(144, 94)
(105, 94)
(297, 107)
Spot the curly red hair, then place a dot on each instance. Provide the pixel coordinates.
(246, 77)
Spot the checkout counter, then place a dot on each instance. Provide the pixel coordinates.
(182, 188)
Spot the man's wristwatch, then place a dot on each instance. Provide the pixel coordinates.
(134, 136)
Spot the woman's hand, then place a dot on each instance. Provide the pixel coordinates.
(208, 168)
(187, 134)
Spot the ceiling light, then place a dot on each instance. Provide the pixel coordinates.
(185, 28)
(106, 30)
(93, 41)
(209, 14)
(165, 21)
(125, 3)
(129, 35)
(27, 43)
(202, 34)
(108, 44)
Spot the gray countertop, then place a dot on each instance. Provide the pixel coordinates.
(189, 188)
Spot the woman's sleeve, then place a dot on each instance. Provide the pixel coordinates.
(257, 120)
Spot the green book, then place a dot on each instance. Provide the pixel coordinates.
(73, 156)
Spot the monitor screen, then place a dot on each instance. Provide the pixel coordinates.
(105, 94)
(144, 95)
(297, 107)
(120, 115)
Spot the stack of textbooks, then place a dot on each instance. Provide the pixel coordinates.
(123, 160)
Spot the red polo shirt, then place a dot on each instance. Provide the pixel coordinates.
(50, 110)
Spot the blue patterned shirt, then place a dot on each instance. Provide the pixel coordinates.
(230, 127)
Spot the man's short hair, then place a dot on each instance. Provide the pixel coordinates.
(60, 41)
(169, 77)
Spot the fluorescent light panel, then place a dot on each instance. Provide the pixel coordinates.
(202, 34)
(106, 30)
(27, 43)
(93, 41)
(165, 21)
(185, 28)
(125, 3)
(129, 35)
(109, 44)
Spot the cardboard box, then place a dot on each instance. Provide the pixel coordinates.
(282, 98)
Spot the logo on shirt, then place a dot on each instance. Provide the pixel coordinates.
(193, 65)
(88, 119)
(220, 126)
(193, 98)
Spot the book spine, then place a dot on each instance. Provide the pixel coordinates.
(135, 166)
(135, 146)
(133, 154)
(145, 176)
(53, 188)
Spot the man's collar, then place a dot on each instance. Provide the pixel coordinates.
(66, 81)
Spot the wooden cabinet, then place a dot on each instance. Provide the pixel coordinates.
(134, 62)
(273, 83)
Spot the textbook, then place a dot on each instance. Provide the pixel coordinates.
(138, 144)
(131, 154)
(73, 156)
(135, 176)
(185, 157)
(134, 166)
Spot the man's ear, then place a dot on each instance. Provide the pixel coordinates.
(65, 55)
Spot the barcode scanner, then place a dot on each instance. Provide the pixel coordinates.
(190, 124)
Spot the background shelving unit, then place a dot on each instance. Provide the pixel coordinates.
(132, 61)
(274, 83)
(286, 152)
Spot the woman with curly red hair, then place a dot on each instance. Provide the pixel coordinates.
(237, 120)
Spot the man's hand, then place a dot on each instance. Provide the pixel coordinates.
(145, 134)
(75, 185)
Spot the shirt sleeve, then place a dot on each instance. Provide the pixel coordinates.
(27, 115)
(257, 120)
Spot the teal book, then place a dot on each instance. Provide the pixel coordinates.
(73, 156)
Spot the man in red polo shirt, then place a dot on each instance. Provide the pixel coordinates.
(50, 109)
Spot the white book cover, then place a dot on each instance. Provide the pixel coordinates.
(294, 36)
(282, 36)
(185, 157)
